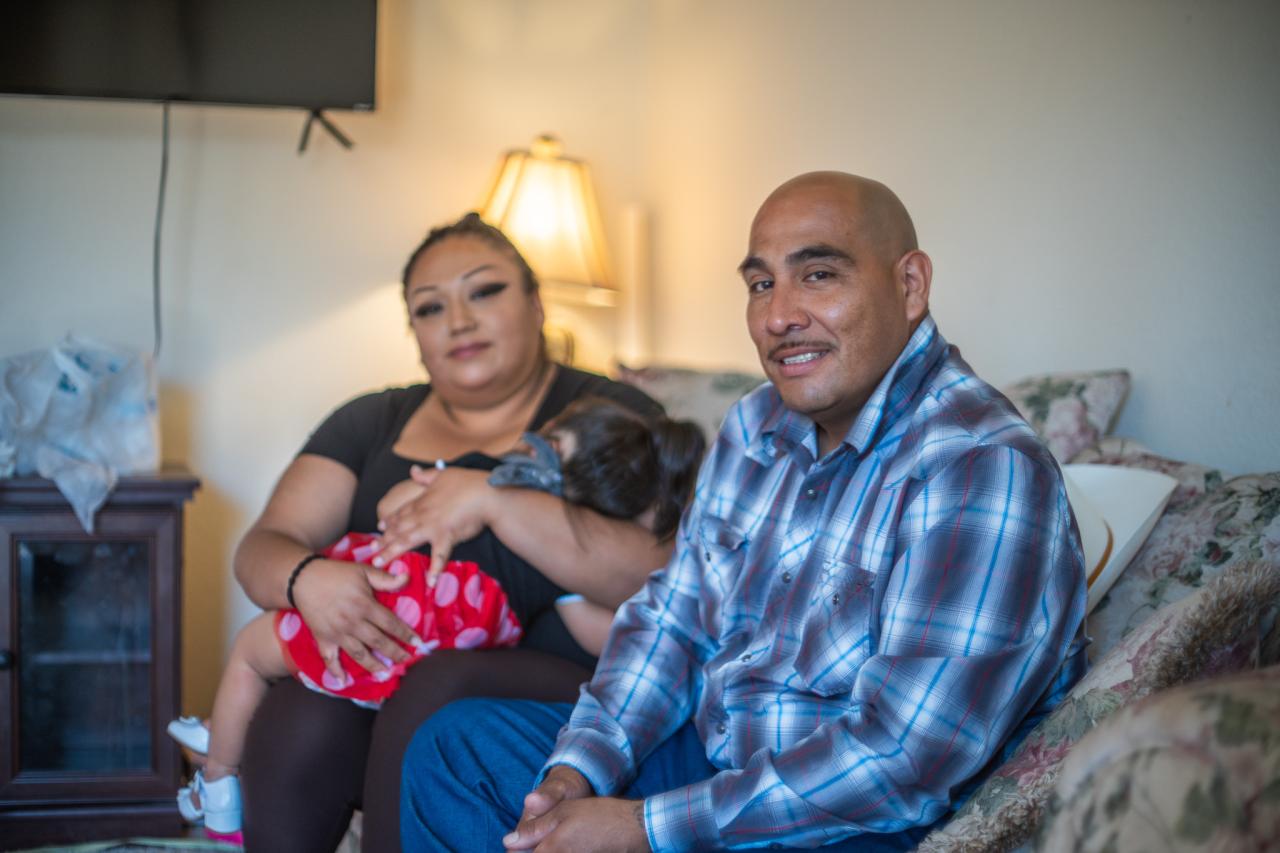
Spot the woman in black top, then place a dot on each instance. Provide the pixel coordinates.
(474, 308)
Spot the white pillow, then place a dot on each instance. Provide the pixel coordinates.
(1115, 510)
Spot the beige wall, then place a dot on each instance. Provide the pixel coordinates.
(1096, 182)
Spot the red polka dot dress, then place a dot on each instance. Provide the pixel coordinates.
(466, 609)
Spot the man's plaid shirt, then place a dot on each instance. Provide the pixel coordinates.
(855, 636)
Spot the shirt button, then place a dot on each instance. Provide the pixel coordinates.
(786, 577)
(810, 492)
(721, 728)
(746, 657)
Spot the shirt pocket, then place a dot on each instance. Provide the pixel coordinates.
(722, 548)
(836, 639)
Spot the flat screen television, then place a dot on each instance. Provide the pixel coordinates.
(314, 54)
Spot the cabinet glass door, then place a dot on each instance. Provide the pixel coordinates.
(84, 656)
(89, 662)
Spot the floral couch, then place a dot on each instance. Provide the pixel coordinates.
(1132, 760)
(1198, 603)
(1213, 745)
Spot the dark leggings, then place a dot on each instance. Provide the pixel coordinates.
(310, 760)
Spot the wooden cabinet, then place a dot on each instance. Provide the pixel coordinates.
(90, 661)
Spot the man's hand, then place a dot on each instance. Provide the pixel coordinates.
(563, 814)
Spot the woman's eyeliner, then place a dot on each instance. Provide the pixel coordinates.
(484, 291)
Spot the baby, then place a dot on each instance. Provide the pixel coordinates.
(596, 454)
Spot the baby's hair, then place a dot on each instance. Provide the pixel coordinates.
(622, 463)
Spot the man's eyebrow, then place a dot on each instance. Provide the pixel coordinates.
(818, 252)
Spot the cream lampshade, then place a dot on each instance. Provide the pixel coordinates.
(546, 204)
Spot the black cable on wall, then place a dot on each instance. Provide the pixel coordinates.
(155, 249)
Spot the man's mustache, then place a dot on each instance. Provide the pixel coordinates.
(797, 344)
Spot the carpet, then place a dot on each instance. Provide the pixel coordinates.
(138, 845)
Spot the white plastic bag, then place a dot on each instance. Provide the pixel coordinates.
(80, 413)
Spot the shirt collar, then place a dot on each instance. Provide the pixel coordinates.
(783, 430)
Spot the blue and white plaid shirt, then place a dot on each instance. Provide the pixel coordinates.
(855, 636)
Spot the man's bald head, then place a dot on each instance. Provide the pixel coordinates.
(882, 218)
(836, 286)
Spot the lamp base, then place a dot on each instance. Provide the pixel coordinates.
(568, 293)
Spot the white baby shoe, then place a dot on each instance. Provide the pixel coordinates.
(191, 733)
(219, 803)
(190, 812)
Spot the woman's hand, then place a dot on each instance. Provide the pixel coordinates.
(399, 495)
(453, 508)
(336, 600)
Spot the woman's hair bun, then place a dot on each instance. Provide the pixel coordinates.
(471, 225)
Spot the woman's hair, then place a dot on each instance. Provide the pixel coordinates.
(622, 464)
(472, 225)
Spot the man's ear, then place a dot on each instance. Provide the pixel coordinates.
(915, 273)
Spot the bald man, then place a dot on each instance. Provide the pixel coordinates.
(877, 590)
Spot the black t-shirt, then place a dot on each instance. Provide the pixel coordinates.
(360, 435)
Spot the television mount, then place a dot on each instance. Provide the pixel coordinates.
(317, 115)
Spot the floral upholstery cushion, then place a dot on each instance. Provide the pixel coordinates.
(1195, 768)
(1209, 525)
(1192, 479)
(1070, 411)
(1217, 630)
(702, 396)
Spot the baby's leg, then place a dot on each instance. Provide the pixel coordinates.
(256, 659)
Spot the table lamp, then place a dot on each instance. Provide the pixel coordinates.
(546, 204)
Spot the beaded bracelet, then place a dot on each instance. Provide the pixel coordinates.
(302, 564)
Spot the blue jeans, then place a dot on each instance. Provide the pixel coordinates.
(468, 768)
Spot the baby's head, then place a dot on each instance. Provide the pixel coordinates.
(621, 464)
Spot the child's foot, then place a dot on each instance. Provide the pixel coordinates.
(217, 803)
